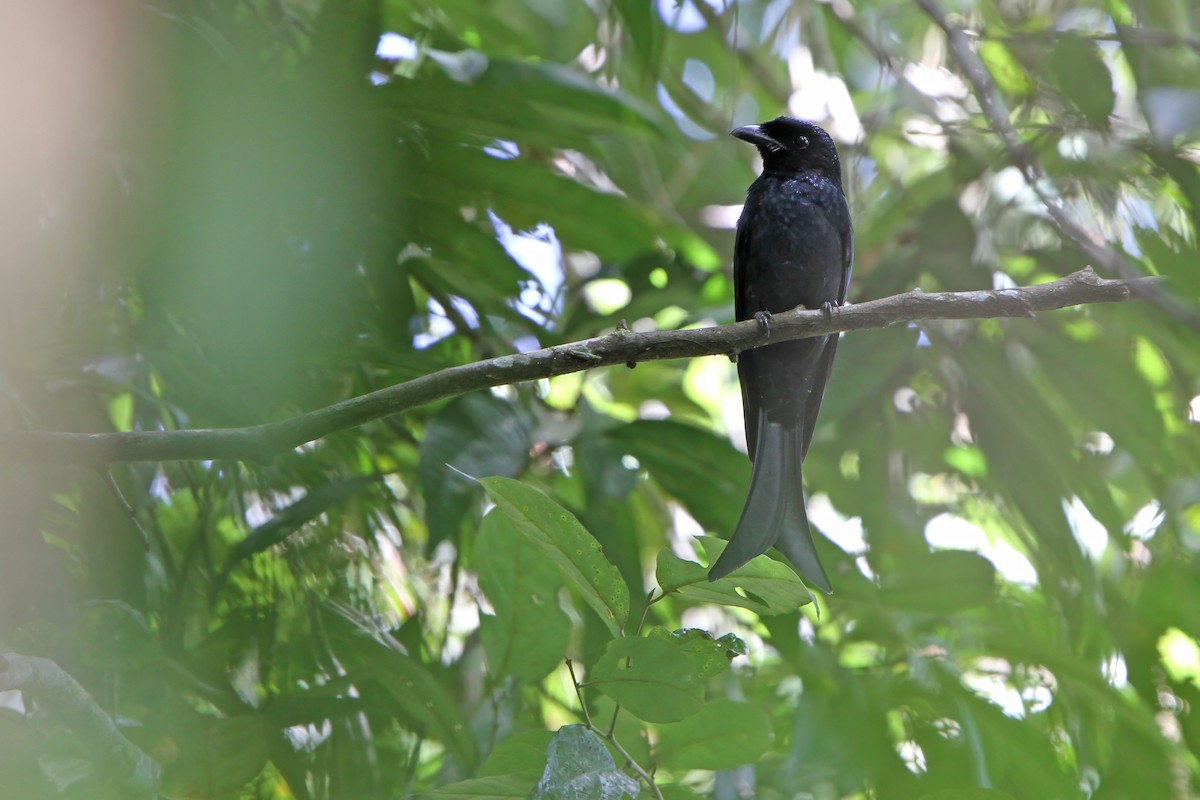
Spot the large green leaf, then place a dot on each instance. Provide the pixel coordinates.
(723, 735)
(524, 193)
(519, 753)
(494, 787)
(528, 634)
(522, 101)
(1078, 68)
(709, 655)
(572, 548)
(654, 679)
(578, 765)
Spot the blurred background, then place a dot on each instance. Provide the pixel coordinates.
(228, 212)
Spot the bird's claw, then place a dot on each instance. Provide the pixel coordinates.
(763, 318)
(828, 308)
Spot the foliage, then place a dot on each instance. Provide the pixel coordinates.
(1011, 508)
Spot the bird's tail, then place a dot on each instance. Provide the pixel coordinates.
(774, 515)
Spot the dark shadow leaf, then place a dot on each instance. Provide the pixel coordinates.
(474, 435)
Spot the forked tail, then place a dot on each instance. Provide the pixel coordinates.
(774, 515)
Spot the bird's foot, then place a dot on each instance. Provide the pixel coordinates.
(828, 308)
(763, 318)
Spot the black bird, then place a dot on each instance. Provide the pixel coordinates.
(794, 248)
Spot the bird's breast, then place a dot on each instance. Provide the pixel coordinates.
(793, 243)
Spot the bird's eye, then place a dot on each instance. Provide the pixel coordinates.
(801, 142)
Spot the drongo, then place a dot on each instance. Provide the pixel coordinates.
(794, 248)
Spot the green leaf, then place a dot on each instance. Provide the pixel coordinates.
(219, 755)
(578, 765)
(764, 586)
(945, 581)
(725, 734)
(709, 656)
(1006, 70)
(494, 787)
(1082, 76)
(678, 792)
(703, 471)
(644, 31)
(522, 101)
(528, 634)
(865, 370)
(568, 543)
(343, 40)
(476, 434)
(653, 679)
(523, 193)
(519, 753)
(469, 260)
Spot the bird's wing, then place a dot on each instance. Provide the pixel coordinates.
(742, 310)
(846, 228)
(741, 257)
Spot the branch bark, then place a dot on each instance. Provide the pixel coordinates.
(621, 347)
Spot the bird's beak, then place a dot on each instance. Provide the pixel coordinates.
(754, 135)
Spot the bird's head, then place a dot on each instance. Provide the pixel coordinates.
(792, 145)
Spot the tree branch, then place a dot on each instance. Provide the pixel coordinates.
(260, 442)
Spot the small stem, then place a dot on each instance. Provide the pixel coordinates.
(129, 510)
(587, 718)
(641, 773)
(650, 600)
(609, 737)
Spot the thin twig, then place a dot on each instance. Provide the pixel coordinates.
(129, 510)
(650, 600)
(587, 718)
(641, 773)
